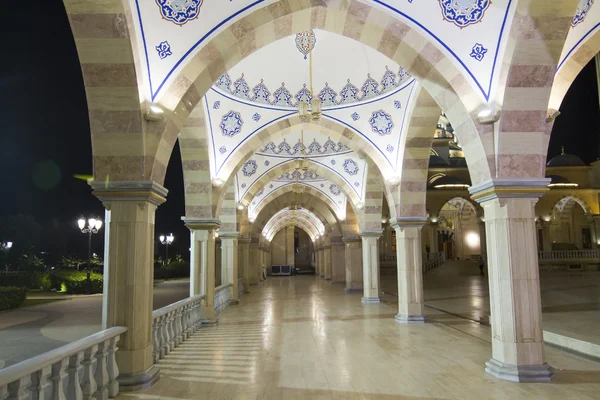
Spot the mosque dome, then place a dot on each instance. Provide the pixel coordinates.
(565, 160)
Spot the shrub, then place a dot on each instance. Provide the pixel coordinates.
(75, 282)
(15, 280)
(178, 269)
(12, 297)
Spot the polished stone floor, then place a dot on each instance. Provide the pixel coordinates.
(304, 338)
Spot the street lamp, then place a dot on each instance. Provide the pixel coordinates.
(166, 240)
(93, 226)
(7, 247)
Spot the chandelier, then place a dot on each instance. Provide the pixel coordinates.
(310, 111)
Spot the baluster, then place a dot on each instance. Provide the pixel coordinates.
(178, 328)
(112, 368)
(39, 383)
(101, 374)
(73, 370)
(171, 329)
(164, 347)
(88, 383)
(17, 390)
(155, 340)
(187, 326)
(58, 376)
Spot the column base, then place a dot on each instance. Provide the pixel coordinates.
(209, 322)
(137, 381)
(348, 290)
(366, 300)
(523, 373)
(410, 319)
(234, 302)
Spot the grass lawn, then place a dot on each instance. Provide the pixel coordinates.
(35, 302)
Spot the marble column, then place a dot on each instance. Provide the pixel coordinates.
(244, 262)
(482, 239)
(129, 274)
(370, 257)
(595, 225)
(513, 273)
(229, 262)
(338, 270)
(253, 262)
(327, 261)
(202, 263)
(410, 269)
(433, 237)
(353, 263)
(318, 261)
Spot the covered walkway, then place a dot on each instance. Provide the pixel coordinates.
(305, 338)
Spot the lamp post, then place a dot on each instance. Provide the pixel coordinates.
(7, 247)
(166, 240)
(93, 226)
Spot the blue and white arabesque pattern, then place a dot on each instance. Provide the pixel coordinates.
(381, 123)
(249, 168)
(582, 11)
(305, 42)
(315, 148)
(231, 124)
(179, 11)
(351, 167)
(335, 189)
(164, 50)
(464, 12)
(478, 52)
(301, 176)
(283, 97)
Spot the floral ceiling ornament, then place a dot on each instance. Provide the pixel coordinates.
(249, 168)
(231, 123)
(464, 12)
(222, 149)
(315, 148)
(164, 50)
(179, 11)
(351, 167)
(381, 123)
(282, 96)
(582, 11)
(335, 189)
(478, 52)
(301, 176)
(305, 42)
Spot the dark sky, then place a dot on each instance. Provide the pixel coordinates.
(45, 137)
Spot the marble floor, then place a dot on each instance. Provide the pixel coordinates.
(304, 338)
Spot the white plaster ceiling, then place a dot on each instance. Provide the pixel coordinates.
(470, 32)
(584, 24)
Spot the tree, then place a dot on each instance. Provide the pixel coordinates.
(23, 232)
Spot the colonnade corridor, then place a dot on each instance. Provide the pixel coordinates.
(303, 337)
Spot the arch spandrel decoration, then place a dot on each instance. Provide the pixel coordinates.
(168, 40)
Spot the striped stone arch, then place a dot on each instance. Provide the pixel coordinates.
(312, 167)
(113, 78)
(333, 129)
(312, 200)
(571, 67)
(452, 196)
(308, 221)
(408, 198)
(350, 227)
(565, 205)
(536, 36)
(226, 210)
(369, 216)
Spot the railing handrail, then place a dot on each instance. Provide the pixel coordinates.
(162, 311)
(569, 254)
(219, 288)
(29, 366)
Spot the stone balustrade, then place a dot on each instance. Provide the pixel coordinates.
(84, 369)
(173, 324)
(569, 255)
(222, 297)
(240, 287)
(435, 260)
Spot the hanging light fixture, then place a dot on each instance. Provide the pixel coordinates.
(312, 111)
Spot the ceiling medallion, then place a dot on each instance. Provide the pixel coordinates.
(305, 42)
(464, 12)
(179, 11)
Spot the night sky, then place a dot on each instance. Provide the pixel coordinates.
(45, 137)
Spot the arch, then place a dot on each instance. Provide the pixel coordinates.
(406, 46)
(565, 205)
(312, 167)
(309, 201)
(571, 65)
(285, 217)
(436, 206)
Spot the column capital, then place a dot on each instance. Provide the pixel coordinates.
(407, 222)
(371, 233)
(229, 235)
(509, 188)
(201, 223)
(129, 191)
